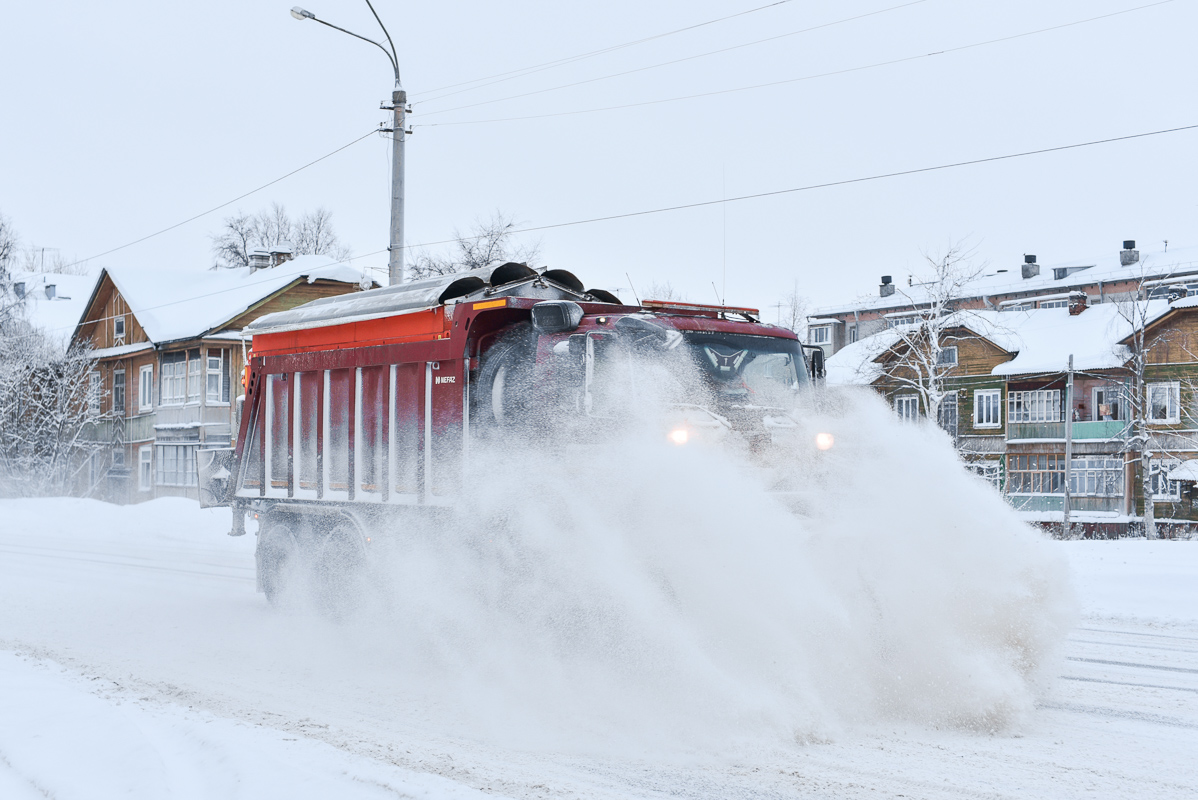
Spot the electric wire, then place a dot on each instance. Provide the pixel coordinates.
(705, 203)
(815, 76)
(776, 37)
(519, 73)
(214, 209)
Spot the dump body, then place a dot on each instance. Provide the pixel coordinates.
(368, 406)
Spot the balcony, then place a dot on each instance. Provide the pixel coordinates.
(136, 429)
(1056, 502)
(1098, 430)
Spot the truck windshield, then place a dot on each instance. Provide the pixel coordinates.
(748, 370)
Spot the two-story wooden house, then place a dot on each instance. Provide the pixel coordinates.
(170, 358)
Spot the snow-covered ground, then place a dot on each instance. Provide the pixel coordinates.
(137, 661)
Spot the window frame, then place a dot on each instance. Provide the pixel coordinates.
(220, 373)
(821, 334)
(119, 322)
(93, 393)
(184, 450)
(195, 378)
(1118, 405)
(1052, 402)
(995, 405)
(145, 388)
(119, 392)
(172, 378)
(145, 468)
(940, 362)
(1172, 402)
(903, 403)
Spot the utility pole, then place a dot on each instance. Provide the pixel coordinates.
(398, 107)
(395, 262)
(1066, 529)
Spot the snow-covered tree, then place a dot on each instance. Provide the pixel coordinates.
(49, 403)
(242, 233)
(490, 241)
(8, 252)
(917, 361)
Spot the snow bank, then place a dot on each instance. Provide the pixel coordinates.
(73, 739)
(1136, 579)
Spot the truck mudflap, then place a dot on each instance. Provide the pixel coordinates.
(214, 471)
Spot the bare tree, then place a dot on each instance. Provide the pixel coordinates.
(9, 241)
(48, 405)
(490, 241)
(917, 362)
(242, 233)
(50, 259)
(792, 311)
(663, 290)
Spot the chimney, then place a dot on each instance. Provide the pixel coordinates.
(887, 288)
(280, 253)
(51, 291)
(260, 259)
(1030, 268)
(1129, 254)
(1078, 302)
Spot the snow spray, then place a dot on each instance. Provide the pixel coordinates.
(637, 592)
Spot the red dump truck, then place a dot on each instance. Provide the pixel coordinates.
(361, 410)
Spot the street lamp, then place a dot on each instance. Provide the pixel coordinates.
(399, 99)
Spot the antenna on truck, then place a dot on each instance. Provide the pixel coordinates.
(633, 288)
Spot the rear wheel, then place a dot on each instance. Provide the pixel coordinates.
(340, 570)
(279, 565)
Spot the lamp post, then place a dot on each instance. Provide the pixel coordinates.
(399, 99)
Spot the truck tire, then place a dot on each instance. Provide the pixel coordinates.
(503, 390)
(340, 570)
(279, 558)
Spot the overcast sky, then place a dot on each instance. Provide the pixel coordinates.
(122, 118)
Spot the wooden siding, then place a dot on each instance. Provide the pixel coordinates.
(287, 298)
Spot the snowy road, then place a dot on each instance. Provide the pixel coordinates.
(137, 661)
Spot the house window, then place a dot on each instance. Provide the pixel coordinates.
(217, 380)
(821, 335)
(988, 471)
(118, 328)
(93, 394)
(177, 464)
(1163, 489)
(145, 388)
(947, 356)
(1164, 401)
(948, 415)
(174, 378)
(193, 376)
(1054, 304)
(1108, 403)
(1040, 405)
(118, 393)
(987, 408)
(1096, 477)
(894, 322)
(1036, 473)
(907, 407)
(118, 458)
(145, 468)
(852, 333)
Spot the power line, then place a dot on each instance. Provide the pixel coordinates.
(679, 60)
(830, 184)
(519, 73)
(815, 76)
(225, 204)
(739, 198)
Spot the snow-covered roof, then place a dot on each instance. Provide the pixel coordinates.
(55, 317)
(1154, 262)
(1185, 471)
(854, 365)
(122, 350)
(1047, 337)
(1042, 340)
(184, 305)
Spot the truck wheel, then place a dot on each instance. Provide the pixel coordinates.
(340, 575)
(504, 386)
(278, 559)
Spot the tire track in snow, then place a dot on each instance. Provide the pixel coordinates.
(224, 571)
(1131, 664)
(1125, 683)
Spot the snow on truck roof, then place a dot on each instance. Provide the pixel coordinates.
(506, 280)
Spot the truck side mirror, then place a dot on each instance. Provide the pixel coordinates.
(817, 364)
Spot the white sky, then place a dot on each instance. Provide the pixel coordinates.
(123, 118)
